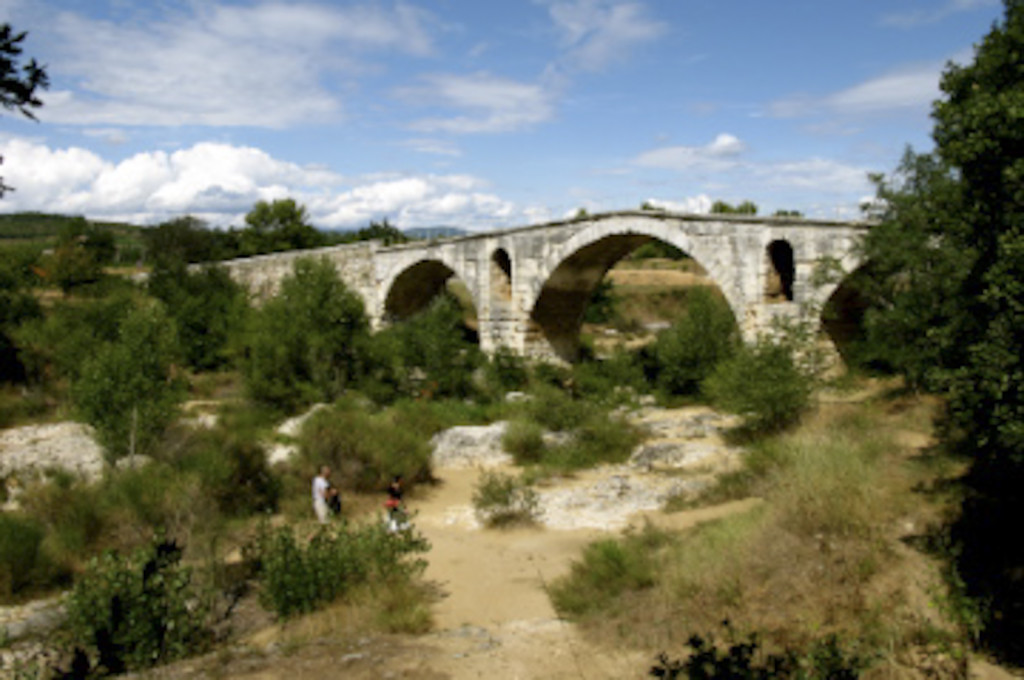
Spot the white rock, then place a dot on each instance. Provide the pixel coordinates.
(470, 446)
(34, 449)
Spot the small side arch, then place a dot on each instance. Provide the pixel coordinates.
(781, 272)
(501, 277)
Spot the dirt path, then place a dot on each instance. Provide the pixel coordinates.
(495, 618)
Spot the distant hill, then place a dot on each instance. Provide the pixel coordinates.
(37, 225)
(434, 232)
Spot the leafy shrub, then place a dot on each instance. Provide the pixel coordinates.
(501, 500)
(138, 611)
(59, 344)
(207, 306)
(300, 578)
(20, 554)
(507, 371)
(555, 410)
(545, 374)
(601, 439)
(71, 513)
(609, 568)
(603, 303)
(365, 450)
(824, 659)
(764, 383)
(685, 354)
(524, 440)
(614, 380)
(233, 471)
(309, 342)
(126, 391)
(428, 355)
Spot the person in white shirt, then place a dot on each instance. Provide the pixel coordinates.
(322, 491)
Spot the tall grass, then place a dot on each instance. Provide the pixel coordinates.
(813, 557)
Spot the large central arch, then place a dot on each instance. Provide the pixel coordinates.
(579, 265)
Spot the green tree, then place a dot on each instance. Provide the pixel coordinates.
(429, 355)
(382, 231)
(127, 391)
(19, 83)
(189, 239)
(58, 344)
(950, 252)
(309, 341)
(207, 306)
(685, 354)
(744, 208)
(764, 383)
(81, 251)
(279, 225)
(17, 306)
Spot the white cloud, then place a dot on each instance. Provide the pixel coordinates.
(437, 147)
(700, 204)
(596, 32)
(224, 65)
(495, 104)
(427, 200)
(114, 136)
(721, 168)
(917, 17)
(220, 183)
(818, 175)
(910, 87)
(720, 154)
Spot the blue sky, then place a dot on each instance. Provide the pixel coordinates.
(473, 113)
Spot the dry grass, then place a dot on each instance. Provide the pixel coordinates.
(822, 555)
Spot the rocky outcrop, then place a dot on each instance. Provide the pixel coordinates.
(35, 449)
(470, 446)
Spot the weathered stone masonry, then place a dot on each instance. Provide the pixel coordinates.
(530, 285)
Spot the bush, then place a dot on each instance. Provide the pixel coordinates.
(207, 306)
(300, 578)
(428, 355)
(139, 611)
(555, 410)
(506, 371)
(365, 450)
(685, 354)
(609, 568)
(127, 391)
(601, 439)
(20, 554)
(824, 659)
(309, 342)
(71, 513)
(764, 383)
(615, 380)
(502, 500)
(233, 471)
(524, 440)
(59, 344)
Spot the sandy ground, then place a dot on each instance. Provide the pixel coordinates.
(493, 583)
(492, 619)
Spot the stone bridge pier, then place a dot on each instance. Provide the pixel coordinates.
(530, 285)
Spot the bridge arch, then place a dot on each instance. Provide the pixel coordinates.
(563, 287)
(410, 287)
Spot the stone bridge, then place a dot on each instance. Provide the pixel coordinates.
(530, 285)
